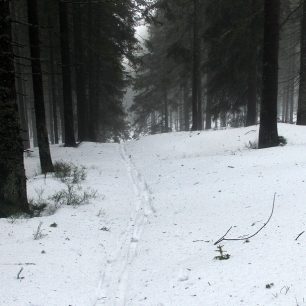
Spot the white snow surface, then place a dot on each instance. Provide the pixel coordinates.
(148, 238)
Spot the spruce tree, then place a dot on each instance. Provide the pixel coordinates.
(13, 194)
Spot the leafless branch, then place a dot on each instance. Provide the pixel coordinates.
(299, 235)
(223, 238)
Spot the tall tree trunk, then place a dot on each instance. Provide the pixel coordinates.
(208, 113)
(91, 90)
(42, 134)
(268, 134)
(208, 103)
(186, 108)
(196, 64)
(284, 103)
(22, 111)
(19, 82)
(301, 113)
(80, 73)
(13, 193)
(166, 112)
(251, 118)
(67, 92)
(52, 83)
(199, 78)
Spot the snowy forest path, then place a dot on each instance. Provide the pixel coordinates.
(114, 280)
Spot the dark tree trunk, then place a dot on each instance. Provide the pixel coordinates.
(200, 108)
(13, 193)
(186, 108)
(19, 84)
(208, 104)
(251, 118)
(67, 93)
(195, 69)
(91, 103)
(301, 113)
(22, 112)
(166, 112)
(80, 73)
(42, 134)
(268, 134)
(53, 84)
(208, 113)
(284, 103)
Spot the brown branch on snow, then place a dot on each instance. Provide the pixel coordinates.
(223, 238)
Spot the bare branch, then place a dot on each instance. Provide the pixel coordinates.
(299, 235)
(223, 238)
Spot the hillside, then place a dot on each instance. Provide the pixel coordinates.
(147, 238)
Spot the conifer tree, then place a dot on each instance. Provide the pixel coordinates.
(13, 194)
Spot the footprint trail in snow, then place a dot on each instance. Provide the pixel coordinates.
(115, 275)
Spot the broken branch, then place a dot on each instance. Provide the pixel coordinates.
(223, 238)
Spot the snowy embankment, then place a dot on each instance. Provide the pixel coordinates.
(148, 238)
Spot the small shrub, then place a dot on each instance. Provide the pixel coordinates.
(222, 255)
(282, 140)
(38, 234)
(38, 205)
(252, 145)
(69, 172)
(73, 195)
(269, 286)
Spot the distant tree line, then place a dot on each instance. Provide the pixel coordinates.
(204, 65)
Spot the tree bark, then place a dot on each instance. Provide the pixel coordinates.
(186, 108)
(195, 70)
(301, 113)
(19, 84)
(91, 90)
(208, 113)
(208, 104)
(166, 112)
(268, 134)
(80, 73)
(13, 193)
(251, 118)
(53, 84)
(66, 75)
(39, 105)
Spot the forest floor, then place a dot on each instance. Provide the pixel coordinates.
(148, 237)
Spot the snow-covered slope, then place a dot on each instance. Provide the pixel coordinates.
(148, 239)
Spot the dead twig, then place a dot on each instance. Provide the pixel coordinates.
(19, 273)
(299, 235)
(19, 264)
(223, 238)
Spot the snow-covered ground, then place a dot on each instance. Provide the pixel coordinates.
(148, 238)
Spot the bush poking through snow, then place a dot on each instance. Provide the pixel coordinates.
(39, 204)
(69, 172)
(282, 140)
(73, 195)
(252, 145)
(71, 175)
(38, 234)
(222, 255)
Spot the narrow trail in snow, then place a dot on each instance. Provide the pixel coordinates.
(115, 275)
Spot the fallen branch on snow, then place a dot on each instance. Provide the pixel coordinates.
(223, 238)
(299, 235)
